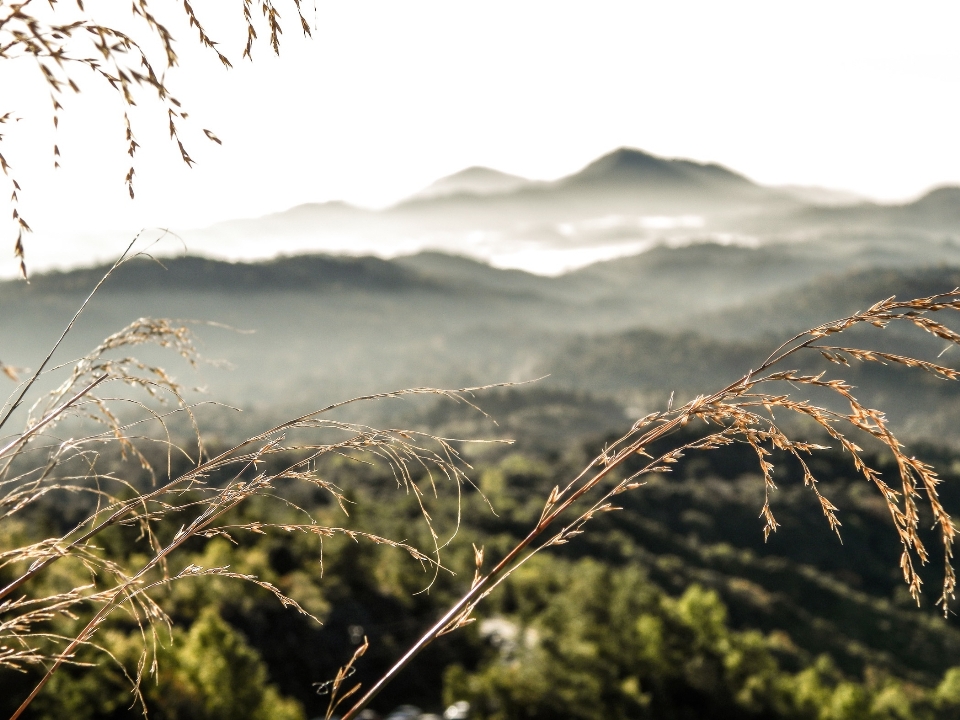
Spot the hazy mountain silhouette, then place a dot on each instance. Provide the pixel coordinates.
(725, 259)
(938, 211)
(636, 170)
(302, 273)
(627, 196)
(474, 181)
(330, 327)
(830, 296)
(625, 180)
(626, 201)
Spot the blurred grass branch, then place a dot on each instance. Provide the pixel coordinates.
(744, 412)
(70, 42)
(34, 463)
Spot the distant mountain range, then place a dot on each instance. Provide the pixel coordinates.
(620, 204)
(623, 169)
(686, 319)
(702, 268)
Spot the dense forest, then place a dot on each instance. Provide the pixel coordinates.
(672, 607)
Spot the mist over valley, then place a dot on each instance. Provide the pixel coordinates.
(708, 269)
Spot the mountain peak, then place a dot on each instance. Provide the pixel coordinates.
(624, 161)
(476, 180)
(630, 156)
(635, 167)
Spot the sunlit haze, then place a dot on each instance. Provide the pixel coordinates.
(389, 96)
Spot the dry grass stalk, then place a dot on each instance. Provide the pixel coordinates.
(66, 40)
(35, 463)
(116, 587)
(744, 412)
(332, 687)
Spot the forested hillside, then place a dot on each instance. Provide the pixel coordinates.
(300, 332)
(671, 607)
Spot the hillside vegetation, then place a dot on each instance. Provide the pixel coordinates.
(303, 331)
(673, 607)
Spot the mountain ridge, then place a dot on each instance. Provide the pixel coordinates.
(620, 203)
(475, 180)
(328, 328)
(636, 166)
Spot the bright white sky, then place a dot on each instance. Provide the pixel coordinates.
(392, 94)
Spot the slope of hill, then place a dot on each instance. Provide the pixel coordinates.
(635, 171)
(325, 328)
(831, 296)
(937, 212)
(303, 273)
(474, 181)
